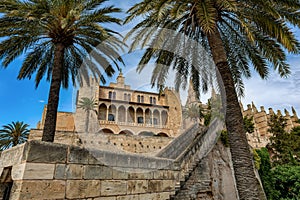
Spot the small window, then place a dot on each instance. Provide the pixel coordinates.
(125, 96)
(129, 97)
(150, 100)
(110, 95)
(154, 100)
(111, 117)
(142, 99)
(139, 99)
(114, 95)
(140, 120)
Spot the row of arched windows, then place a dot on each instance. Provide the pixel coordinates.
(130, 115)
(127, 97)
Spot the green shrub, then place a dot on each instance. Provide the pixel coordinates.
(224, 138)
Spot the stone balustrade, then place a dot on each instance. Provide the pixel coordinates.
(105, 122)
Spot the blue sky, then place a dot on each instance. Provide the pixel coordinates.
(20, 101)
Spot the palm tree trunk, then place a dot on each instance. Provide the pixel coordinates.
(247, 184)
(87, 121)
(53, 99)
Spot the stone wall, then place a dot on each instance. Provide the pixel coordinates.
(260, 137)
(211, 179)
(42, 170)
(112, 142)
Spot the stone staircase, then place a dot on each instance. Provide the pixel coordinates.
(188, 150)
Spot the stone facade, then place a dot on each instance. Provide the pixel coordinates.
(122, 110)
(41, 170)
(65, 121)
(110, 142)
(260, 137)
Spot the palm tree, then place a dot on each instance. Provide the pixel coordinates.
(57, 36)
(238, 35)
(13, 134)
(87, 105)
(193, 111)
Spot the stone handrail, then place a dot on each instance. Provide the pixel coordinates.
(199, 148)
(179, 144)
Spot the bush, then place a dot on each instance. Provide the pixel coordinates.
(224, 138)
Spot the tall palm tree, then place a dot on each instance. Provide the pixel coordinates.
(238, 34)
(87, 105)
(57, 36)
(13, 134)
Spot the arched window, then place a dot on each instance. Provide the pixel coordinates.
(129, 97)
(114, 95)
(139, 116)
(142, 99)
(150, 100)
(121, 114)
(111, 117)
(102, 112)
(125, 96)
(110, 95)
(139, 99)
(154, 100)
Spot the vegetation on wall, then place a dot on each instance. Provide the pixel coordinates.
(280, 169)
(285, 145)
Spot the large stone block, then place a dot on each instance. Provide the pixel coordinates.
(97, 172)
(83, 189)
(99, 157)
(161, 185)
(33, 171)
(60, 171)
(120, 173)
(46, 152)
(38, 189)
(78, 155)
(13, 156)
(140, 174)
(137, 186)
(164, 174)
(113, 187)
(74, 171)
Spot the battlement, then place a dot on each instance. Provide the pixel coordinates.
(260, 137)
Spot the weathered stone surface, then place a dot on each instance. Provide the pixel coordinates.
(13, 156)
(46, 152)
(74, 171)
(38, 189)
(164, 174)
(97, 172)
(83, 188)
(137, 186)
(128, 197)
(60, 171)
(160, 185)
(110, 188)
(120, 173)
(33, 171)
(140, 174)
(123, 160)
(78, 155)
(105, 198)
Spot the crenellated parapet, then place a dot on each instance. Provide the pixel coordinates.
(260, 137)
